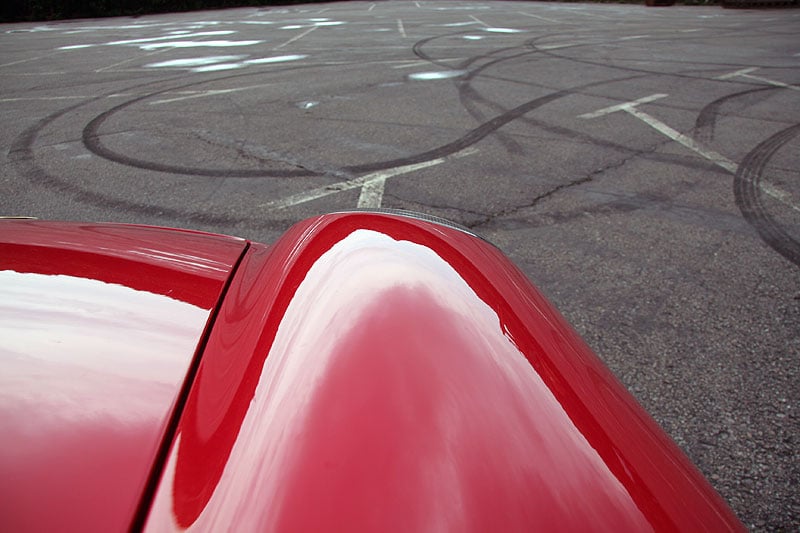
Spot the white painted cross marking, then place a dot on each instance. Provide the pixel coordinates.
(371, 185)
(745, 73)
(716, 158)
(400, 28)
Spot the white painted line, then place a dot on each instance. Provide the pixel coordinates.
(537, 17)
(22, 61)
(479, 21)
(633, 37)
(401, 29)
(371, 7)
(417, 4)
(745, 73)
(715, 157)
(622, 107)
(374, 181)
(45, 98)
(772, 82)
(372, 193)
(563, 45)
(170, 37)
(200, 94)
(737, 73)
(295, 38)
(149, 54)
(418, 63)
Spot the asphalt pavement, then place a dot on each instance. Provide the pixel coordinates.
(640, 165)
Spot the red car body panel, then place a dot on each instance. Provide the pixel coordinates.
(98, 327)
(371, 372)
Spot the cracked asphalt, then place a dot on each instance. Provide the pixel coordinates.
(640, 165)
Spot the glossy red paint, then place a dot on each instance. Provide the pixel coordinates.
(371, 372)
(98, 325)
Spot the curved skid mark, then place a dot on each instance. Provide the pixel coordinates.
(747, 190)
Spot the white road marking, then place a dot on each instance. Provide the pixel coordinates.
(400, 28)
(45, 98)
(168, 37)
(372, 193)
(479, 21)
(718, 159)
(622, 107)
(195, 44)
(295, 38)
(412, 64)
(22, 61)
(374, 182)
(201, 94)
(566, 45)
(537, 17)
(745, 73)
(736, 73)
(135, 58)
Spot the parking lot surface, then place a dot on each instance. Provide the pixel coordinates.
(640, 165)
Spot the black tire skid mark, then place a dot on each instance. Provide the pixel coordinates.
(464, 84)
(747, 192)
(22, 154)
(706, 121)
(92, 140)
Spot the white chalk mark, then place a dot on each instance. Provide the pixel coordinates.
(371, 7)
(439, 75)
(537, 17)
(622, 107)
(421, 63)
(295, 38)
(479, 21)
(709, 154)
(562, 45)
(374, 181)
(401, 29)
(457, 24)
(502, 30)
(276, 59)
(417, 4)
(195, 62)
(218, 67)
